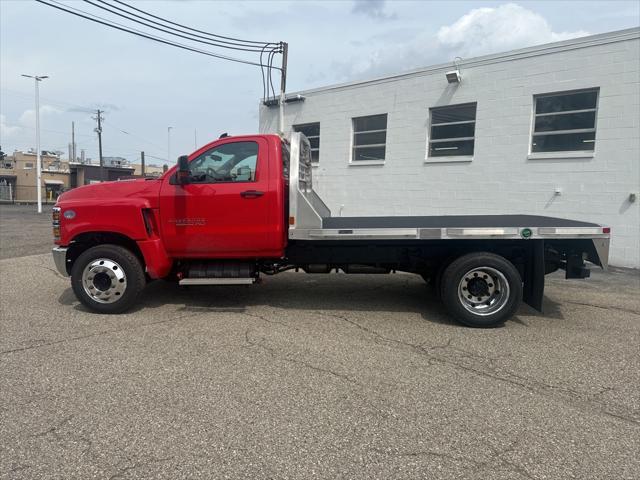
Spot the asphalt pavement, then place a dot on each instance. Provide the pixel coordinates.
(316, 376)
(24, 231)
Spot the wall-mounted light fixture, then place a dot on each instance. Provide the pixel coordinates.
(453, 76)
(293, 99)
(274, 102)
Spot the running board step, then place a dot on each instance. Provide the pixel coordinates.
(217, 281)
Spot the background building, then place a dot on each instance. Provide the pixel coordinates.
(18, 176)
(549, 130)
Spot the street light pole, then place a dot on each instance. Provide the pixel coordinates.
(169, 144)
(38, 78)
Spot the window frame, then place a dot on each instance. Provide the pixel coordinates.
(353, 147)
(296, 129)
(450, 158)
(563, 153)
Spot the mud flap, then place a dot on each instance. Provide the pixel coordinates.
(534, 276)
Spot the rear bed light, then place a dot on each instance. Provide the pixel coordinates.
(606, 229)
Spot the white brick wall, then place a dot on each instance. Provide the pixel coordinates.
(501, 178)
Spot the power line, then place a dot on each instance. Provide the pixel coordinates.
(50, 100)
(189, 36)
(157, 158)
(273, 47)
(194, 29)
(117, 26)
(272, 54)
(46, 130)
(131, 134)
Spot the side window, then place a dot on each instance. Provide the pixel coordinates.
(369, 138)
(453, 130)
(231, 162)
(565, 121)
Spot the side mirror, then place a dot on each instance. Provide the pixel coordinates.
(243, 174)
(183, 170)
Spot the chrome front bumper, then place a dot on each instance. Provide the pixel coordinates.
(60, 259)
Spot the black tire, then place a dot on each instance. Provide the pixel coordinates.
(133, 274)
(506, 302)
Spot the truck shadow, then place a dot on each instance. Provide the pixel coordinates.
(363, 293)
(290, 291)
(401, 293)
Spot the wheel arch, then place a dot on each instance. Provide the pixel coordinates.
(86, 240)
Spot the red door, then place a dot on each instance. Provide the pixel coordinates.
(223, 210)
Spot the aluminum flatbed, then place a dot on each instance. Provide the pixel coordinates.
(453, 221)
(310, 219)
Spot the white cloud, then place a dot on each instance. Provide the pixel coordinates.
(491, 30)
(28, 117)
(481, 31)
(7, 131)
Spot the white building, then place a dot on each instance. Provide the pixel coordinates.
(549, 130)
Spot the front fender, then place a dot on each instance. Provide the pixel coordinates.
(115, 217)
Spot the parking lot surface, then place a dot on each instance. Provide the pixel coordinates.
(320, 376)
(24, 231)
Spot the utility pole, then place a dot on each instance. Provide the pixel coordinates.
(37, 79)
(169, 144)
(283, 83)
(98, 130)
(142, 163)
(73, 142)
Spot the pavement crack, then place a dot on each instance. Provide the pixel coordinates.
(53, 431)
(417, 348)
(52, 270)
(603, 307)
(96, 334)
(286, 358)
(484, 366)
(268, 320)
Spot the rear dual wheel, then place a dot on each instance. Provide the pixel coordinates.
(481, 289)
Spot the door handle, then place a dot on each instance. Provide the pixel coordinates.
(251, 194)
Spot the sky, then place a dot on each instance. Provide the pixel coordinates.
(144, 87)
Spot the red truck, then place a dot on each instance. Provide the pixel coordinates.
(244, 206)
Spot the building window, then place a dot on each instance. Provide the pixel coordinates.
(565, 122)
(312, 132)
(452, 131)
(28, 165)
(369, 138)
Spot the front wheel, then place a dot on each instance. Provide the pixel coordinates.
(481, 289)
(107, 278)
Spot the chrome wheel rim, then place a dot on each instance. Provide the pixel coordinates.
(104, 280)
(483, 291)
